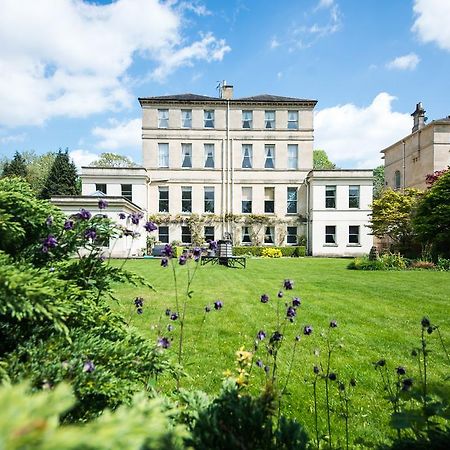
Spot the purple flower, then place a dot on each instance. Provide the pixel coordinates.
(84, 214)
(139, 310)
(213, 246)
(259, 363)
(169, 327)
(267, 369)
(167, 312)
(163, 342)
(380, 363)
(122, 216)
(276, 337)
(150, 226)
(407, 384)
(182, 260)
(264, 298)
(164, 262)
(49, 242)
(90, 233)
(68, 224)
(316, 370)
(261, 335)
(102, 204)
(174, 316)
(88, 366)
(296, 301)
(139, 302)
(291, 312)
(430, 330)
(332, 376)
(218, 305)
(298, 337)
(425, 322)
(333, 324)
(307, 330)
(280, 294)
(49, 221)
(288, 284)
(401, 370)
(168, 251)
(197, 251)
(207, 309)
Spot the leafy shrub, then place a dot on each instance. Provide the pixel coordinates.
(421, 264)
(443, 264)
(393, 261)
(271, 253)
(294, 251)
(364, 263)
(388, 261)
(247, 251)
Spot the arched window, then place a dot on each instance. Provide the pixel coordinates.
(397, 179)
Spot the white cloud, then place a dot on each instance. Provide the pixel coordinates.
(405, 62)
(354, 136)
(274, 43)
(82, 157)
(324, 4)
(431, 23)
(71, 58)
(120, 135)
(9, 139)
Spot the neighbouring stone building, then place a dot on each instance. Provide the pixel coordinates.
(424, 151)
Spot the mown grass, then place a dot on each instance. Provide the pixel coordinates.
(378, 313)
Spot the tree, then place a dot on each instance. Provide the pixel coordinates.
(16, 168)
(113, 160)
(62, 178)
(378, 181)
(432, 218)
(392, 215)
(321, 161)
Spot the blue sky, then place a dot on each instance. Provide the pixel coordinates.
(71, 70)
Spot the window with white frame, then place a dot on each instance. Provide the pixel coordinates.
(208, 118)
(246, 200)
(246, 239)
(330, 234)
(186, 118)
(186, 237)
(292, 156)
(353, 234)
(209, 155)
(270, 156)
(163, 118)
(163, 155)
(269, 200)
(247, 119)
(353, 196)
(127, 191)
(247, 156)
(330, 196)
(209, 199)
(186, 199)
(163, 204)
(292, 199)
(100, 187)
(163, 234)
(269, 119)
(209, 233)
(269, 235)
(186, 155)
(291, 235)
(292, 120)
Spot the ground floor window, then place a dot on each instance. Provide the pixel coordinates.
(101, 188)
(186, 235)
(330, 234)
(269, 235)
(163, 235)
(209, 234)
(246, 235)
(291, 235)
(353, 234)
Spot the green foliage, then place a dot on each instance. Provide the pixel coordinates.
(31, 422)
(443, 264)
(15, 168)
(295, 251)
(321, 161)
(387, 261)
(38, 168)
(62, 177)
(432, 217)
(108, 159)
(378, 181)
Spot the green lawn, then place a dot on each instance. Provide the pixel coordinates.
(378, 313)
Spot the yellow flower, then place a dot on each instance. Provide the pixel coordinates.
(227, 373)
(243, 356)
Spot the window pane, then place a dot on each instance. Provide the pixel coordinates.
(163, 234)
(186, 199)
(247, 156)
(269, 200)
(209, 234)
(186, 235)
(247, 119)
(353, 196)
(269, 235)
(247, 200)
(208, 116)
(330, 197)
(353, 234)
(163, 118)
(292, 156)
(330, 234)
(269, 119)
(163, 152)
(246, 235)
(186, 118)
(291, 237)
(186, 151)
(100, 188)
(291, 200)
(209, 155)
(270, 157)
(292, 120)
(163, 199)
(127, 192)
(209, 199)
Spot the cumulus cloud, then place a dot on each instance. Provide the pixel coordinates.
(354, 136)
(431, 24)
(71, 58)
(82, 157)
(124, 135)
(405, 62)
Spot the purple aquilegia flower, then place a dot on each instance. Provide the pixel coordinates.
(164, 262)
(333, 324)
(291, 312)
(207, 309)
(401, 370)
(122, 216)
(218, 304)
(407, 384)
(380, 363)
(139, 302)
(182, 260)
(259, 363)
(280, 294)
(332, 376)
(276, 337)
(134, 219)
(139, 310)
(168, 251)
(264, 298)
(163, 342)
(168, 312)
(90, 233)
(150, 226)
(316, 370)
(102, 204)
(197, 252)
(296, 301)
(49, 242)
(307, 330)
(84, 214)
(49, 221)
(261, 335)
(425, 322)
(68, 224)
(88, 366)
(169, 327)
(213, 245)
(267, 369)
(288, 284)
(174, 316)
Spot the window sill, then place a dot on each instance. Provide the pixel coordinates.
(353, 245)
(330, 245)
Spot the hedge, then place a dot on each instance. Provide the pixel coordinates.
(293, 251)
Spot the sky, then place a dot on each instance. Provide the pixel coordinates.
(71, 71)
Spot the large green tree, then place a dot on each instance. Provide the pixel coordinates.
(16, 168)
(378, 181)
(432, 218)
(113, 160)
(321, 160)
(62, 178)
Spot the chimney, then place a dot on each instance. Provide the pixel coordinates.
(226, 91)
(419, 117)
